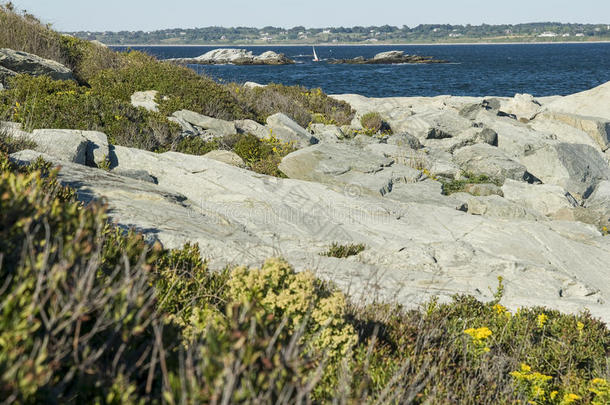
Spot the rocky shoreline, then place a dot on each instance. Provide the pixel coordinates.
(461, 191)
(388, 58)
(235, 57)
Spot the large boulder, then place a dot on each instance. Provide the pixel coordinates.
(436, 125)
(575, 167)
(590, 103)
(522, 106)
(546, 199)
(5, 74)
(23, 62)
(145, 99)
(226, 156)
(286, 130)
(253, 128)
(226, 55)
(83, 147)
(597, 128)
(218, 127)
(272, 58)
(484, 159)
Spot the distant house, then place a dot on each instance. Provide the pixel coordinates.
(566, 35)
(580, 34)
(455, 35)
(547, 34)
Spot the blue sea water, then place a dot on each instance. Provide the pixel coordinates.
(475, 70)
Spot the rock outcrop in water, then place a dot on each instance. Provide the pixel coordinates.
(236, 57)
(388, 58)
(466, 189)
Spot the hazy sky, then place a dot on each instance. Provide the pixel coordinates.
(114, 15)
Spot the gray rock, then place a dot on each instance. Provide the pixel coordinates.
(326, 133)
(590, 103)
(599, 197)
(546, 199)
(5, 74)
(286, 130)
(63, 144)
(471, 136)
(483, 190)
(226, 156)
(146, 100)
(253, 85)
(436, 125)
(490, 161)
(23, 62)
(572, 166)
(221, 127)
(495, 206)
(253, 128)
(597, 128)
(236, 57)
(406, 140)
(415, 250)
(522, 106)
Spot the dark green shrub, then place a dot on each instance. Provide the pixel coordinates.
(299, 103)
(344, 251)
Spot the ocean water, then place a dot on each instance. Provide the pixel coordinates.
(474, 70)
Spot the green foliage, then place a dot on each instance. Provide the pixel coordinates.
(302, 105)
(40, 102)
(373, 123)
(456, 186)
(179, 87)
(261, 156)
(344, 251)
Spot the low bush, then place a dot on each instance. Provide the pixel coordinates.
(179, 87)
(344, 251)
(372, 123)
(261, 156)
(40, 102)
(456, 186)
(302, 105)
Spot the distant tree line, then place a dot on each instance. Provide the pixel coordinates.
(385, 33)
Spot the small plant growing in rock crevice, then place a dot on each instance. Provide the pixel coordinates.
(372, 123)
(344, 251)
(456, 186)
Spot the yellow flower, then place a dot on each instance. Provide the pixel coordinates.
(580, 326)
(479, 334)
(553, 394)
(570, 398)
(542, 318)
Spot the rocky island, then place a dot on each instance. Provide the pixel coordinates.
(388, 58)
(235, 57)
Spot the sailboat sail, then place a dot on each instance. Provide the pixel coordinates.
(315, 55)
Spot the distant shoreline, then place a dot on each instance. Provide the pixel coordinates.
(368, 44)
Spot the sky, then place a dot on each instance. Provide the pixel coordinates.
(148, 15)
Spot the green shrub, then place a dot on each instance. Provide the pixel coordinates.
(40, 102)
(179, 87)
(344, 251)
(456, 186)
(374, 124)
(303, 105)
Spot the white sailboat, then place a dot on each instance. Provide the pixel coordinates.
(315, 55)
